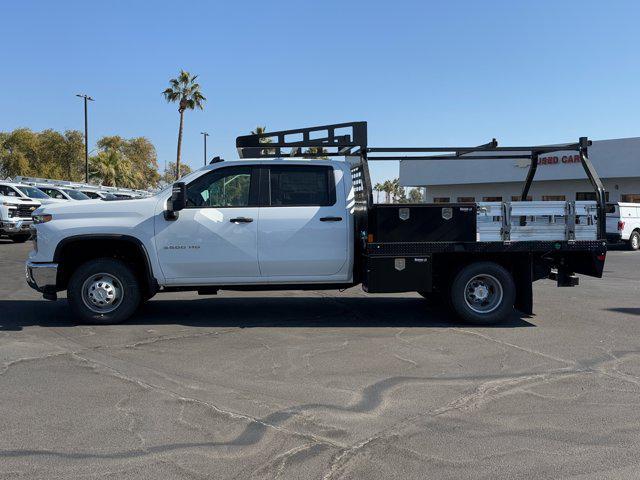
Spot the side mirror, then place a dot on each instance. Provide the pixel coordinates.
(177, 201)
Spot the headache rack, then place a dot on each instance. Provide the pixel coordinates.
(349, 140)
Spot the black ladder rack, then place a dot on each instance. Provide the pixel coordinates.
(350, 140)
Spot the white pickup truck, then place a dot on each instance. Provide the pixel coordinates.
(297, 220)
(17, 203)
(623, 224)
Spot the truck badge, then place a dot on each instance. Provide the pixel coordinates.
(403, 213)
(447, 213)
(399, 264)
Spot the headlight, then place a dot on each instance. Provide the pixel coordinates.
(42, 218)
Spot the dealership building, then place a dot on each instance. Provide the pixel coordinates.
(560, 176)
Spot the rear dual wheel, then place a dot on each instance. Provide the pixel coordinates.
(482, 293)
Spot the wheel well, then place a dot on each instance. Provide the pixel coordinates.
(73, 252)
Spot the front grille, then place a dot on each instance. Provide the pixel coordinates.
(25, 211)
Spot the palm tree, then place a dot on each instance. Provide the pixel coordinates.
(259, 131)
(387, 188)
(186, 91)
(111, 168)
(317, 152)
(378, 189)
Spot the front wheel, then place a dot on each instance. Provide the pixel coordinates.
(483, 293)
(103, 291)
(634, 240)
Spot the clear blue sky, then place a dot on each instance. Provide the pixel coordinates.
(421, 72)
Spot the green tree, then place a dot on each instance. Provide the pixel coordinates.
(139, 152)
(260, 130)
(17, 152)
(186, 91)
(399, 194)
(169, 175)
(387, 188)
(112, 168)
(47, 154)
(378, 189)
(415, 195)
(316, 152)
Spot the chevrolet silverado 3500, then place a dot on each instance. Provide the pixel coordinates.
(287, 215)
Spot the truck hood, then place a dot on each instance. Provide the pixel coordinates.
(18, 200)
(48, 201)
(99, 209)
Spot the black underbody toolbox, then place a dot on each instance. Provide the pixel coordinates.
(449, 222)
(397, 274)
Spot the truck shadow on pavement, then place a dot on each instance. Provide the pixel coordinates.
(247, 312)
(627, 310)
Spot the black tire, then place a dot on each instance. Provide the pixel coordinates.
(87, 274)
(20, 238)
(634, 240)
(490, 278)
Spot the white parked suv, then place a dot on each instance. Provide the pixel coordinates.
(623, 224)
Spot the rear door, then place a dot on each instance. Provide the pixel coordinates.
(302, 232)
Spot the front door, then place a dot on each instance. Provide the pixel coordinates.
(302, 233)
(214, 239)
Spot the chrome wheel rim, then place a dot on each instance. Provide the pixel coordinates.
(483, 293)
(635, 240)
(102, 293)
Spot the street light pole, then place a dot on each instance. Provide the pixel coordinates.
(205, 135)
(86, 137)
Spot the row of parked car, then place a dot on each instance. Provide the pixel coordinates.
(21, 196)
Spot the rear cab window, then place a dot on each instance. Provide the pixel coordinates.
(301, 185)
(611, 208)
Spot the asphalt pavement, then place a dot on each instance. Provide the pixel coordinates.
(322, 385)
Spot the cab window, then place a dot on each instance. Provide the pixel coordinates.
(223, 188)
(53, 193)
(301, 185)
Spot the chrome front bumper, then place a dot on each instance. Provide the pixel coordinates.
(42, 276)
(15, 226)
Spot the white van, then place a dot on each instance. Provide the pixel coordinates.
(623, 224)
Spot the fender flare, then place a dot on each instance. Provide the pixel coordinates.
(151, 283)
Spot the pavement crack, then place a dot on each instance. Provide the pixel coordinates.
(517, 347)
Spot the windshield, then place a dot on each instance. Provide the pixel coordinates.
(32, 192)
(75, 194)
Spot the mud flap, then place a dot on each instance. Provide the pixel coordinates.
(523, 278)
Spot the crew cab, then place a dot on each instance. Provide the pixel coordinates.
(300, 220)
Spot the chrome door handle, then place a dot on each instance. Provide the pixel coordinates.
(241, 220)
(331, 219)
